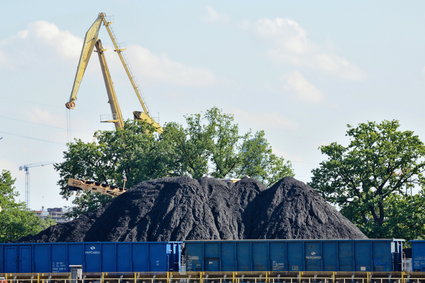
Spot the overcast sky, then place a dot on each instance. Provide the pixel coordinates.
(300, 70)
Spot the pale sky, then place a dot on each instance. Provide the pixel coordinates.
(300, 70)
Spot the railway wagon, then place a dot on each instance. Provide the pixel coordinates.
(294, 255)
(93, 256)
(418, 255)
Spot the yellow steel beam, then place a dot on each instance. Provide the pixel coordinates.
(89, 42)
(117, 118)
(145, 115)
(95, 187)
(125, 65)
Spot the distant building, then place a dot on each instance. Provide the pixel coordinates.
(57, 214)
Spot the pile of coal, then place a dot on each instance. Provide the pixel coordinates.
(182, 208)
(295, 210)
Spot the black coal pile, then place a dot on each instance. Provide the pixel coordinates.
(182, 208)
(295, 210)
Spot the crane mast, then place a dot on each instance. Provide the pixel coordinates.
(113, 101)
(90, 41)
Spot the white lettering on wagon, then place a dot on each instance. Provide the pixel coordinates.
(92, 251)
(313, 256)
(59, 266)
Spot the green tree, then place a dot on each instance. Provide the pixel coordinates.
(211, 145)
(208, 145)
(371, 178)
(257, 160)
(190, 146)
(15, 221)
(406, 216)
(128, 152)
(224, 138)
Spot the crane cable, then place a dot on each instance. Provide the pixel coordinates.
(68, 125)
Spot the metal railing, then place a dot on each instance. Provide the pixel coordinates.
(213, 277)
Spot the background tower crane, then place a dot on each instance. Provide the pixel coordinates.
(26, 168)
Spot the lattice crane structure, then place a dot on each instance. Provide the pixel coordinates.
(26, 169)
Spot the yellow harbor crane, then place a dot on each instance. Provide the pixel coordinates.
(96, 187)
(91, 41)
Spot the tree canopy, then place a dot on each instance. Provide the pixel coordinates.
(15, 221)
(209, 144)
(374, 179)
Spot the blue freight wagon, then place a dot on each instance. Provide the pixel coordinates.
(293, 255)
(418, 255)
(238, 255)
(93, 256)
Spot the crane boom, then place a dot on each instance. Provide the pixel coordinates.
(125, 65)
(89, 41)
(105, 189)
